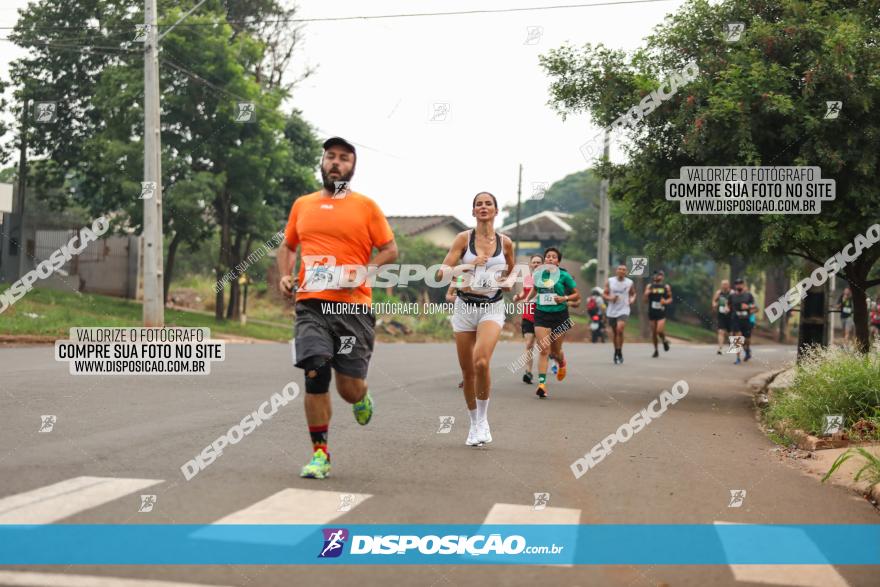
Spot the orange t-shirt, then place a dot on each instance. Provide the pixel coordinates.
(345, 228)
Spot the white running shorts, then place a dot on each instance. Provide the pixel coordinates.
(466, 317)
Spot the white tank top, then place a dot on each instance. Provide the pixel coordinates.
(485, 276)
(619, 288)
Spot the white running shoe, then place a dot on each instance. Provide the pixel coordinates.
(483, 433)
(474, 435)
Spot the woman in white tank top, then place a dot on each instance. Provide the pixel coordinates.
(478, 316)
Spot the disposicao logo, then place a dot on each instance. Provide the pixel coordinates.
(334, 542)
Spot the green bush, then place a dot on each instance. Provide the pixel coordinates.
(833, 380)
(434, 325)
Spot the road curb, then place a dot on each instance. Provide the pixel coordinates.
(16, 340)
(761, 381)
(845, 476)
(806, 441)
(764, 384)
(761, 385)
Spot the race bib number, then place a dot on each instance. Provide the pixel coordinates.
(742, 313)
(656, 306)
(487, 278)
(846, 311)
(482, 279)
(320, 278)
(723, 310)
(594, 326)
(547, 299)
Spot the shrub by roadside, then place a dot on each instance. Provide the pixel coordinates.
(834, 380)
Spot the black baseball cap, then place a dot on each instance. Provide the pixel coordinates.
(738, 280)
(339, 141)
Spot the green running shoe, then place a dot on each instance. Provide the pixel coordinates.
(363, 410)
(318, 467)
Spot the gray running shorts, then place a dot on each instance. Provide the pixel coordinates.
(340, 333)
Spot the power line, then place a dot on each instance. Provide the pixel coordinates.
(398, 15)
(47, 40)
(451, 13)
(60, 43)
(196, 77)
(87, 35)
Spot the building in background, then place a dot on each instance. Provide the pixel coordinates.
(436, 229)
(539, 231)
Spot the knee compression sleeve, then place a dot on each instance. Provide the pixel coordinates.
(317, 371)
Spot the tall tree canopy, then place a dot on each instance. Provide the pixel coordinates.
(758, 101)
(217, 173)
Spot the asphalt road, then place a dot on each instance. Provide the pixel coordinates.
(680, 469)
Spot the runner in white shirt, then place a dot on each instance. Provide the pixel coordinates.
(620, 294)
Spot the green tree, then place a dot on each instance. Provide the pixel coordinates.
(217, 174)
(759, 101)
(68, 45)
(418, 251)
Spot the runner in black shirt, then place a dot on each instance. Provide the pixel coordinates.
(658, 295)
(742, 305)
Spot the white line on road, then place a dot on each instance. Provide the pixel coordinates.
(289, 506)
(795, 575)
(297, 506)
(509, 513)
(27, 579)
(51, 503)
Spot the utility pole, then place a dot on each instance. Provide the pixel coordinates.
(813, 327)
(154, 302)
(22, 186)
(832, 286)
(518, 201)
(604, 223)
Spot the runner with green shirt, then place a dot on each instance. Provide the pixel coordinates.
(551, 317)
(721, 305)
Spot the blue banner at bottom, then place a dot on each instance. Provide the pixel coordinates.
(642, 544)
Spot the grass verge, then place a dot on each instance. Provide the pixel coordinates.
(833, 380)
(49, 312)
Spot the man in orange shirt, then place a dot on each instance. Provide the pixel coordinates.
(336, 230)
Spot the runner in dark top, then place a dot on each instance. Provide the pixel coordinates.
(742, 305)
(658, 295)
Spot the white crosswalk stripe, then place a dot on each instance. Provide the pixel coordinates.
(794, 575)
(289, 506)
(51, 503)
(297, 506)
(509, 513)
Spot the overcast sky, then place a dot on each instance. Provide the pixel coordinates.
(377, 82)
